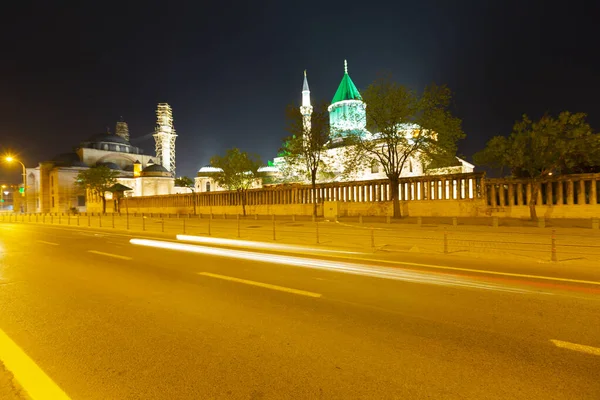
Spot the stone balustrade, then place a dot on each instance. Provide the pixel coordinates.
(434, 187)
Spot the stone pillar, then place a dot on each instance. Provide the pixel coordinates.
(528, 193)
(549, 199)
(593, 193)
(459, 189)
(493, 195)
(539, 200)
(570, 195)
(519, 194)
(581, 192)
(501, 196)
(559, 193)
(443, 190)
(511, 195)
(426, 189)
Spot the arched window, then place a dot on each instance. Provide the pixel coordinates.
(208, 186)
(117, 148)
(105, 147)
(374, 167)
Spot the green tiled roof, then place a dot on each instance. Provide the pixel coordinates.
(347, 90)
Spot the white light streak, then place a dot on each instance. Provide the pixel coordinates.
(257, 245)
(343, 267)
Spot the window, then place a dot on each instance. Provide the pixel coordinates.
(52, 201)
(104, 147)
(374, 167)
(208, 186)
(80, 201)
(117, 148)
(410, 166)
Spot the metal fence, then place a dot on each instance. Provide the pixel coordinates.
(352, 234)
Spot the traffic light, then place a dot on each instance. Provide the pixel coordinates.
(21, 190)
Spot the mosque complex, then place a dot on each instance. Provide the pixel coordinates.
(51, 185)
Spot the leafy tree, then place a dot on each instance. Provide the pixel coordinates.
(187, 182)
(304, 149)
(405, 126)
(534, 150)
(97, 180)
(237, 171)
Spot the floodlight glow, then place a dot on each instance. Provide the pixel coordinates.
(343, 267)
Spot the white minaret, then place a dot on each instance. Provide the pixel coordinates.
(306, 109)
(164, 136)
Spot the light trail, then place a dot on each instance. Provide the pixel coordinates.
(343, 267)
(257, 245)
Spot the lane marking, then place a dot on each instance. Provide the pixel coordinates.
(260, 284)
(481, 271)
(101, 253)
(50, 243)
(576, 347)
(336, 266)
(33, 380)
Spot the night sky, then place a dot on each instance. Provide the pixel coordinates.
(229, 68)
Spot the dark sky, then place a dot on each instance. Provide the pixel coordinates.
(229, 68)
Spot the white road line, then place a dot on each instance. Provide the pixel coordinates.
(44, 242)
(101, 253)
(33, 380)
(576, 347)
(260, 284)
(480, 271)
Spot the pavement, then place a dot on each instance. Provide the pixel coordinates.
(101, 314)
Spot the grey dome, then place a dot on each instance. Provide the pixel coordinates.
(107, 138)
(68, 160)
(110, 165)
(155, 168)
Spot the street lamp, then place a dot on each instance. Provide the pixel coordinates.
(11, 159)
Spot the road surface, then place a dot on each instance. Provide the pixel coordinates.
(102, 318)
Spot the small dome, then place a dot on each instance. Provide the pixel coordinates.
(156, 170)
(207, 169)
(107, 138)
(68, 160)
(110, 165)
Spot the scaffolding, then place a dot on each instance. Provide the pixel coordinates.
(122, 129)
(164, 136)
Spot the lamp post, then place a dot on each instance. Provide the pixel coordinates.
(11, 159)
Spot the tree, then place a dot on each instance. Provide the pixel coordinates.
(405, 126)
(237, 171)
(303, 150)
(535, 150)
(187, 182)
(97, 180)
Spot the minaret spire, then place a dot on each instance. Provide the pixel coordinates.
(306, 109)
(345, 66)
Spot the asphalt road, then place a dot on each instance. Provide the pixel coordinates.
(107, 319)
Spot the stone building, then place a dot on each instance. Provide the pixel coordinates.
(51, 185)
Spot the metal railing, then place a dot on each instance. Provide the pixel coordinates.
(354, 234)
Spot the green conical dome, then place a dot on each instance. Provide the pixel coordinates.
(347, 90)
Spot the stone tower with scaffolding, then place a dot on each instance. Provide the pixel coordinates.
(122, 129)
(164, 136)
